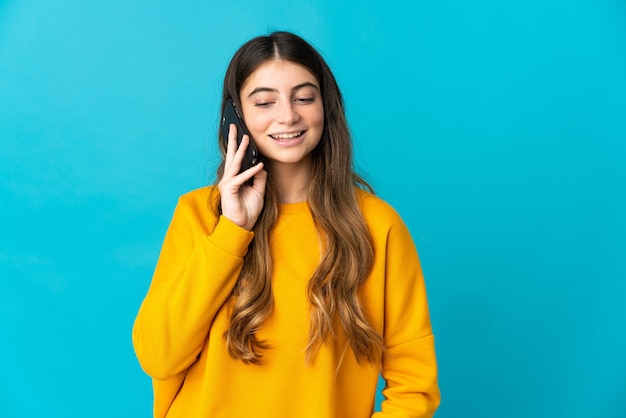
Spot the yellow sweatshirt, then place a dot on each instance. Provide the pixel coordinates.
(178, 332)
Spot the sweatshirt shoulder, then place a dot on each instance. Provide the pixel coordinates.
(198, 209)
(377, 212)
(201, 198)
(200, 194)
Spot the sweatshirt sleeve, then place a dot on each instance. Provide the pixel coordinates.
(196, 271)
(410, 369)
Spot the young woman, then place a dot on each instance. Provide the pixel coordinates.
(287, 297)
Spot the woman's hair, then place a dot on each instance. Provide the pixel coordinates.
(333, 289)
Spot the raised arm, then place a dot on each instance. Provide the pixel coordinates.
(199, 264)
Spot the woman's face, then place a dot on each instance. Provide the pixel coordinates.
(283, 110)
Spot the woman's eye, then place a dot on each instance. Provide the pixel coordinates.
(305, 100)
(263, 104)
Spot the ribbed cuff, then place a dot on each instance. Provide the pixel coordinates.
(230, 237)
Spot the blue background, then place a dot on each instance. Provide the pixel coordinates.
(495, 128)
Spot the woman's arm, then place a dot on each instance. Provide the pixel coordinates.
(196, 271)
(198, 267)
(410, 369)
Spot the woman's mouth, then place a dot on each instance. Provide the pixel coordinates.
(287, 136)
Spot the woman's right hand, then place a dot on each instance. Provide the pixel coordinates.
(241, 203)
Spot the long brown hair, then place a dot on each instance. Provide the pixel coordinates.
(347, 250)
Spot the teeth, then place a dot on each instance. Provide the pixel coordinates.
(286, 136)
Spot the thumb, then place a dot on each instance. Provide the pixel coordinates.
(260, 181)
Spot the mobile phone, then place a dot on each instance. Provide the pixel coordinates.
(232, 115)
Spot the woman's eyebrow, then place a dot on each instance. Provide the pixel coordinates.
(272, 90)
(305, 84)
(262, 89)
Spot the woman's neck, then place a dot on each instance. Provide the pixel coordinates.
(292, 181)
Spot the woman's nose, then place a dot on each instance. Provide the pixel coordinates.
(287, 113)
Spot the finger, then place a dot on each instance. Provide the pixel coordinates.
(231, 145)
(236, 156)
(241, 153)
(260, 180)
(246, 175)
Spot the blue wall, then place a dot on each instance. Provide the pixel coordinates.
(495, 128)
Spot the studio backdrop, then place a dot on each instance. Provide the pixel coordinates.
(496, 129)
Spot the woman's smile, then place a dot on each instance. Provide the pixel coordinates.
(286, 136)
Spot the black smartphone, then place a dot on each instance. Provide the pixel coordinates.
(232, 115)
